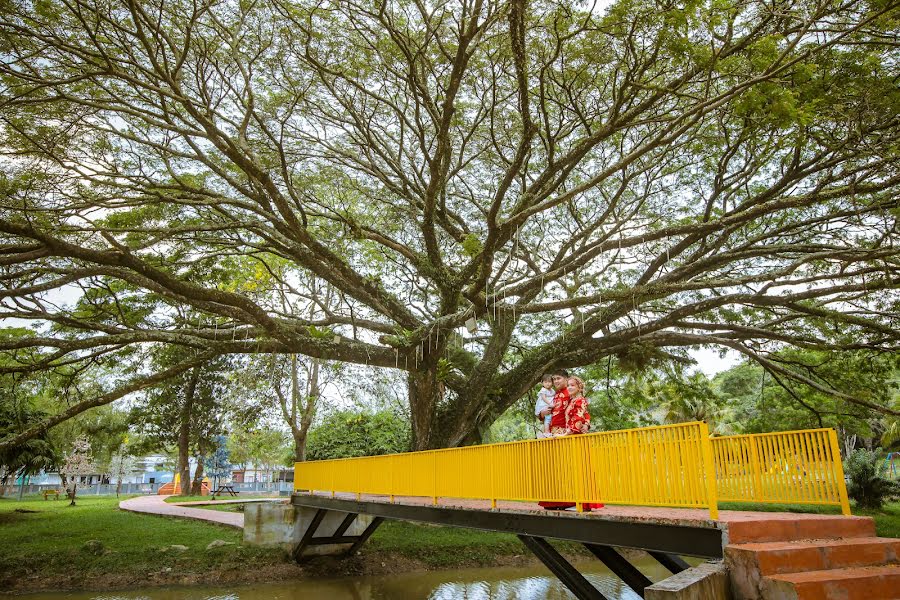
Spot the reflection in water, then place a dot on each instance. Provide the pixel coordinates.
(461, 584)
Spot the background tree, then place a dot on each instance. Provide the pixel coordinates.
(346, 433)
(218, 465)
(121, 465)
(493, 189)
(184, 412)
(76, 464)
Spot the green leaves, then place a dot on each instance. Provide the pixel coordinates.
(345, 434)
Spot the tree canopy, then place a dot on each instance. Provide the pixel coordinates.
(491, 189)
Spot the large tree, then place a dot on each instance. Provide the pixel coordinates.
(493, 188)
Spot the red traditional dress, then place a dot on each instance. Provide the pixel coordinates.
(578, 419)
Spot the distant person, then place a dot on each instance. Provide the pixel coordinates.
(544, 405)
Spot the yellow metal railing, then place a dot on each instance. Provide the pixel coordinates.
(789, 467)
(671, 465)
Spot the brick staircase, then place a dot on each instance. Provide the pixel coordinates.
(808, 557)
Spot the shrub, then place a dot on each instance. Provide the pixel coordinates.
(345, 433)
(868, 486)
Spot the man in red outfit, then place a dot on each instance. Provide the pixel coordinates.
(560, 401)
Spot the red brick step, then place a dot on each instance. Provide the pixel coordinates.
(776, 558)
(855, 583)
(787, 527)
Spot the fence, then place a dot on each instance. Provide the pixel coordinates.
(791, 467)
(280, 487)
(669, 465)
(675, 465)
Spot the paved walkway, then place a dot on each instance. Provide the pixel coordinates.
(157, 505)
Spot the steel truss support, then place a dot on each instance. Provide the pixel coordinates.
(620, 566)
(674, 563)
(338, 537)
(559, 566)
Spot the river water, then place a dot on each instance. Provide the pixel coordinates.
(527, 583)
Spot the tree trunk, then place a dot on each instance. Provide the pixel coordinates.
(308, 411)
(197, 483)
(424, 394)
(184, 431)
(306, 406)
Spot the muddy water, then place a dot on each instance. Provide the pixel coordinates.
(459, 584)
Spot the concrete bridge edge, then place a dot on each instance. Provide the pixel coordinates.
(706, 581)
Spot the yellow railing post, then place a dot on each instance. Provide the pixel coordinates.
(710, 471)
(754, 467)
(631, 457)
(493, 480)
(838, 467)
(434, 477)
(578, 469)
(392, 459)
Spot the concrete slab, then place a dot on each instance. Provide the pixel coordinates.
(285, 526)
(706, 581)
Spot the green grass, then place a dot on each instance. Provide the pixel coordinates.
(50, 542)
(449, 546)
(45, 548)
(887, 519)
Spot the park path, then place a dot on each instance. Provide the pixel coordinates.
(156, 505)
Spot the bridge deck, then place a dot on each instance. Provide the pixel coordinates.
(688, 532)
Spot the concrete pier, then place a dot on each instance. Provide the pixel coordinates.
(287, 525)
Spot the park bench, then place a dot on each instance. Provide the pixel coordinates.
(223, 489)
(48, 493)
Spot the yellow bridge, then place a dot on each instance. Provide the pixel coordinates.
(667, 481)
(677, 466)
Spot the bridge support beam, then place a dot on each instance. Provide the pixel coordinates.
(620, 566)
(674, 563)
(337, 541)
(560, 567)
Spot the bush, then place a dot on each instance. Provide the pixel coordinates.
(868, 486)
(345, 434)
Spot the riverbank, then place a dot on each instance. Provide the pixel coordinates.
(48, 545)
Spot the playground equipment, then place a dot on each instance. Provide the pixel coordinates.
(890, 468)
(174, 487)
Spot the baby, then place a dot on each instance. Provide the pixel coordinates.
(545, 402)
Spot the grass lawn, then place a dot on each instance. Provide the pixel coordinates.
(50, 543)
(444, 547)
(887, 520)
(50, 548)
